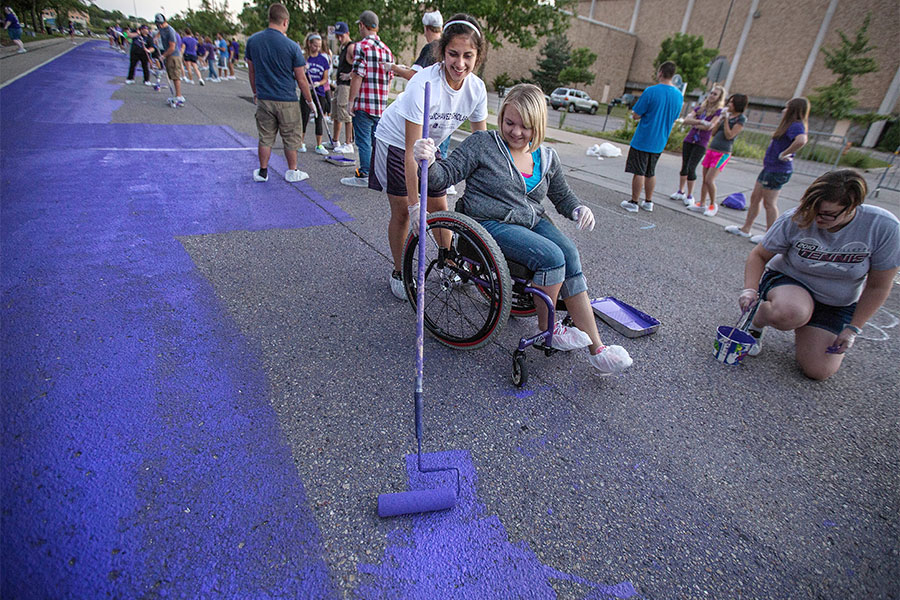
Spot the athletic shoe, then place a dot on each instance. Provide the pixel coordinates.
(677, 196)
(320, 149)
(330, 145)
(258, 177)
(757, 334)
(150, 83)
(202, 82)
(302, 148)
(345, 149)
(734, 229)
(757, 238)
(451, 191)
(232, 77)
(696, 207)
(358, 180)
(129, 81)
(688, 200)
(629, 205)
(610, 360)
(568, 338)
(22, 51)
(397, 288)
(647, 205)
(711, 211)
(295, 175)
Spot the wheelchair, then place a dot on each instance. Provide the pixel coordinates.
(471, 288)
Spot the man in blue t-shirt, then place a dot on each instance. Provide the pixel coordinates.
(655, 112)
(276, 67)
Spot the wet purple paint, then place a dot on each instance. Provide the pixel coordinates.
(141, 456)
(463, 550)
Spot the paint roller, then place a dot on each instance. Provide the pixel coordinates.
(404, 503)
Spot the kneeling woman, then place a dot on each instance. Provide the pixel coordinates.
(507, 175)
(823, 269)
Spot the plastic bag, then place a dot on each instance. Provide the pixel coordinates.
(604, 150)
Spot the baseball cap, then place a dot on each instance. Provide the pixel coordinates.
(368, 19)
(144, 26)
(341, 28)
(433, 19)
(159, 18)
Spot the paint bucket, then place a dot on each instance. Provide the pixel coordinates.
(732, 345)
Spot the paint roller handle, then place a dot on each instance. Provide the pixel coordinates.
(420, 276)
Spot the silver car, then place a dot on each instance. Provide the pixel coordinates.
(573, 100)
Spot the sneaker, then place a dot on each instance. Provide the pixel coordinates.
(451, 191)
(677, 196)
(757, 334)
(179, 99)
(696, 207)
(346, 149)
(331, 145)
(295, 175)
(22, 51)
(629, 205)
(610, 360)
(302, 148)
(688, 200)
(757, 238)
(397, 288)
(358, 180)
(320, 149)
(568, 338)
(202, 82)
(258, 177)
(647, 205)
(129, 81)
(711, 211)
(734, 229)
(148, 83)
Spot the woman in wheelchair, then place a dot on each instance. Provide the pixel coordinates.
(507, 174)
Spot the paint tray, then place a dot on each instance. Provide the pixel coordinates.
(340, 160)
(624, 318)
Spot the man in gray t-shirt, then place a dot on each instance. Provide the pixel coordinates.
(171, 54)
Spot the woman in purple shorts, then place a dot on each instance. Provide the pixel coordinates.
(822, 270)
(702, 120)
(719, 152)
(777, 166)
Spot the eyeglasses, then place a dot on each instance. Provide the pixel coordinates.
(831, 216)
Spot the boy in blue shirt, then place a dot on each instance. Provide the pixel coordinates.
(655, 112)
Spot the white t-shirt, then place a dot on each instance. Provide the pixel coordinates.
(834, 266)
(449, 108)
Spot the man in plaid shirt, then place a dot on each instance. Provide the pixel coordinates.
(369, 84)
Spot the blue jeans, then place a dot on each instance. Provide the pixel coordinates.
(212, 67)
(545, 250)
(364, 126)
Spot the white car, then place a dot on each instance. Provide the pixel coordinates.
(573, 100)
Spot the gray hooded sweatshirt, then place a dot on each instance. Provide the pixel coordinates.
(495, 189)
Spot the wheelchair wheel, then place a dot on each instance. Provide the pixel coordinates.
(520, 369)
(522, 304)
(467, 285)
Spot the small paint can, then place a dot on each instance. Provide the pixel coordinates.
(732, 345)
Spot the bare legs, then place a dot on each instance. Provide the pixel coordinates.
(708, 188)
(685, 184)
(647, 183)
(769, 199)
(398, 226)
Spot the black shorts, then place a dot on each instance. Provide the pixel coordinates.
(190, 58)
(388, 171)
(824, 316)
(641, 163)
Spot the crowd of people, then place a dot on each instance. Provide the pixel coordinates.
(820, 270)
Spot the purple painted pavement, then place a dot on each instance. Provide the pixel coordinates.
(141, 456)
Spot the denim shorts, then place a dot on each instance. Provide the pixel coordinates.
(824, 316)
(545, 250)
(772, 180)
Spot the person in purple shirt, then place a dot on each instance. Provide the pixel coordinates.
(210, 52)
(234, 49)
(189, 55)
(13, 28)
(777, 166)
(702, 120)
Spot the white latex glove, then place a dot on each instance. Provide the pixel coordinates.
(842, 342)
(584, 217)
(747, 299)
(424, 149)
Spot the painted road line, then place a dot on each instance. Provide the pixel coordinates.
(254, 149)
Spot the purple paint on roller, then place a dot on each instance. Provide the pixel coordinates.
(463, 550)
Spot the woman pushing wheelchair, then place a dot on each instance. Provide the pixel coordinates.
(507, 174)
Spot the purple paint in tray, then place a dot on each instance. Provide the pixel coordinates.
(341, 161)
(623, 317)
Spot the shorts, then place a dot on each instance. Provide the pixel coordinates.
(772, 180)
(15, 34)
(342, 99)
(388, 172)
(641, 163)
(273, 117)
(190, 58)
(174, 67)
(824, 316)
(715, 160)
(222, 62)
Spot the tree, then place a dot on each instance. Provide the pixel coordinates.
(209, 20)
(579, 68)
(556, 54)
(689, 55)
(838, 99)
(522, 22)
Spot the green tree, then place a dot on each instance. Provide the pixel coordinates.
(522, 22)
(209, 20)
(556, 54)
(578, 70)
(848, 60)
(688, 53)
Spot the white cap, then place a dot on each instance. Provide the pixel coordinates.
(433, 19)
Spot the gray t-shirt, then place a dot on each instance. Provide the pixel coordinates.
(166, 37)
(834, 266)
(720, 143)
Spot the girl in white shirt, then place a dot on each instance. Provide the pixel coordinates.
(457, 95)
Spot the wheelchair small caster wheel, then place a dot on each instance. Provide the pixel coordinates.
(520, 369)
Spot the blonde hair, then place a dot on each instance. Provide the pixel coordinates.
(709, 107)
(307, 41)
(529, 100)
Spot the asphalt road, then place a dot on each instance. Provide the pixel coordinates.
(207, 383)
